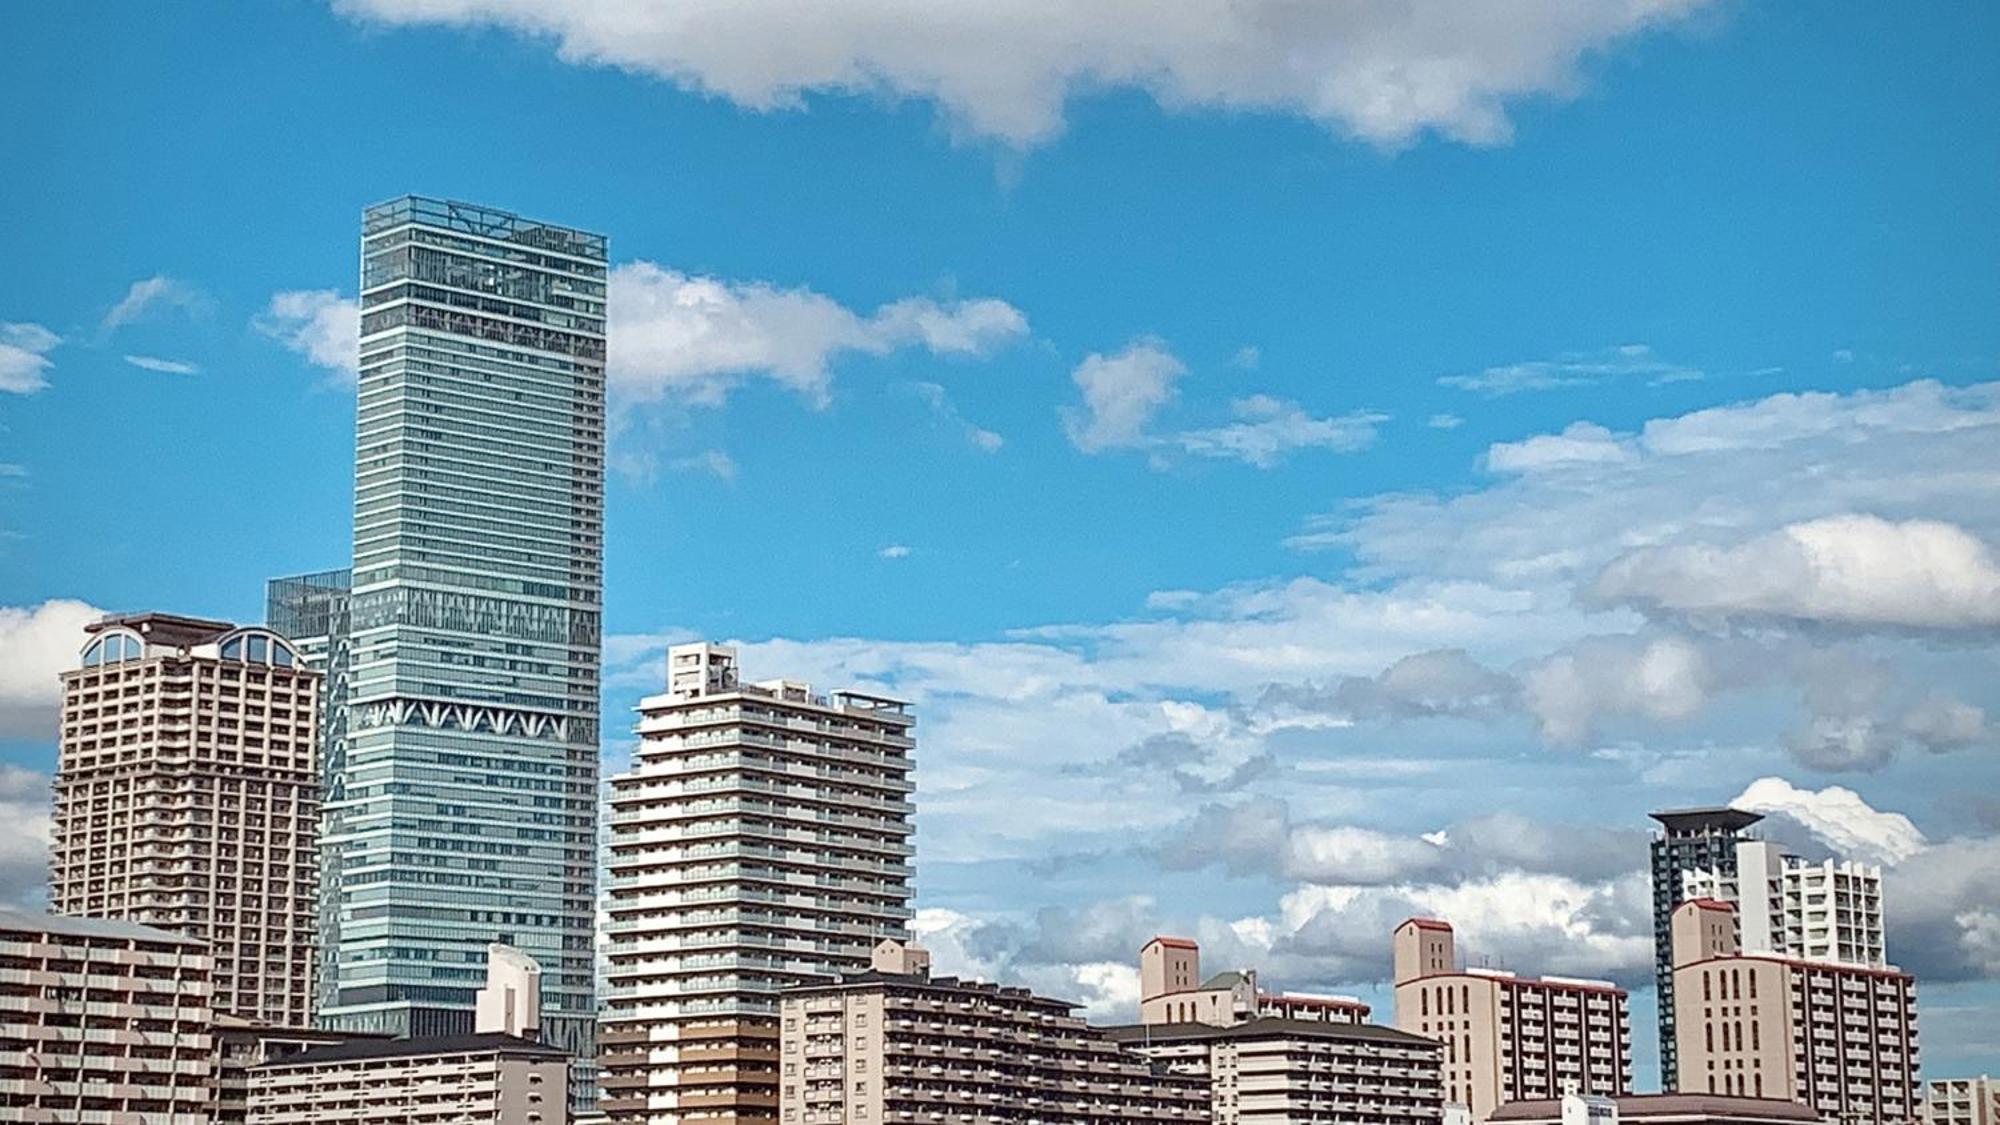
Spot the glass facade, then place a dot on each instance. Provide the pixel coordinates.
(461, 793)
(1688, 840)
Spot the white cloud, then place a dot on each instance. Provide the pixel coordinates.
(320, 325)
(695, 338)
(1266, 429)
(1444, 421)
(1385, 72)
(980, 438)
(163, 366)
(24, 357)
(1121, 394)
(1837, 816)
(1584, 369)
(1847, 569)
(1581, 443)
(894, 551)
(150, 293)
(1572, 691)
(26, 828)
(36, 644)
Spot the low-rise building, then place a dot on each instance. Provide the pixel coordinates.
(1172, 990)
(1962, 1101)
(498, 1075)
(1655, 1109)
(1276, 1071)
(897, 1046)
(1507, 1037)
(241, 1045)
(1840, 1038)
(103, 1020)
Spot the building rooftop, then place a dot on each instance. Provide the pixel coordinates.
(33, 921)
(1720, 817)
(486, 222)
(1265, 1027)
(918, 982)
(1653, 1106)
(169, 629)
(358, 1050)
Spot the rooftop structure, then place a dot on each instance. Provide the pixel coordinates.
(1171, 990)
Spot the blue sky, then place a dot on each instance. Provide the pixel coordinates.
(1137, 397)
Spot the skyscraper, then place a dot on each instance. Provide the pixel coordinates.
(463, 651)
(1688, 840)
(761, 839)
(187, 798)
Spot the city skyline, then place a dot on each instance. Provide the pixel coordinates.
(1277, 516)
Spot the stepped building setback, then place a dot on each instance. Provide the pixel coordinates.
(1506, 1037)
(187, 798)
(760, 840)
(894, 1045)
(462, 645)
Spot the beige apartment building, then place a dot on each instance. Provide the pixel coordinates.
(894, 1045)
(1272, 1070)
(102, 1021)
(497, 1075)
(760, 840)
(242, 1045)
(1507, 1037)
(1962, 1101)
(1172, 990)
(1656, 1109)
(187, 798)
(1839, 1038)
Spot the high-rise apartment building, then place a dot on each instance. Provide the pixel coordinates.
(1962, 1101)
(103, 1021)
(1172, 990)
(1841, 1038)
(894, 1045)
(1509, 1038)
(187, 798)
(1274, 1070)
(760, 840)
(1827, 911)
(1687, 840)
(463, 648)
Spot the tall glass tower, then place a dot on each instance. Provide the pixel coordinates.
(1687, 840)
(460, 802)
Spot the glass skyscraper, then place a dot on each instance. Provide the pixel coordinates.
(464, 646)
(1688, 840)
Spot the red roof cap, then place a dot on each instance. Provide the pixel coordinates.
(1427, 923)
(1175, 942)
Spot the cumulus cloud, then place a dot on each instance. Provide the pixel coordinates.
(1571, 692)
(163, 366)
(24, 356)
(148, 294)
(36, 644)
(696, 338)
(1583, 369)
(1581, 443)
(1838, 816)
(1848, 570)
(1121, 394)
(1384, 72)
(320, 325)
(1124, 392)
(26, 827)
(1440, 683)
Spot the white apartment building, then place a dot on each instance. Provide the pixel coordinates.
(187, 798)
(1962, 1101)
(1273, 1070)
(1829, 911)
(103, 1021)
(760, 840)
